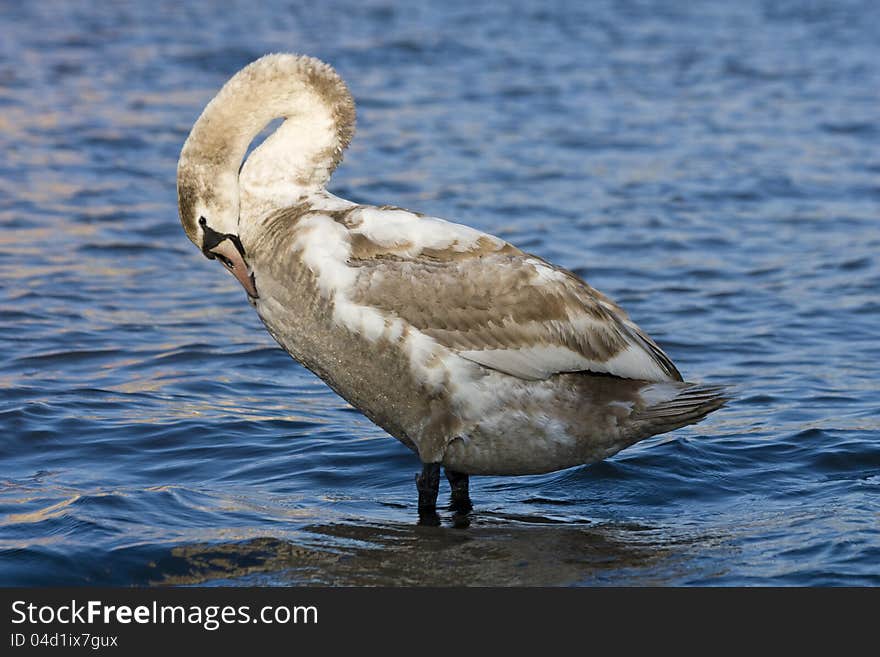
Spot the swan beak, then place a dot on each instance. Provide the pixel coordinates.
(234, 262)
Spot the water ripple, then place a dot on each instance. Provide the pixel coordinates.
(714, 170)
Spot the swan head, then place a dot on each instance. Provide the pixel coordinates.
(319, 117)
(210, 216)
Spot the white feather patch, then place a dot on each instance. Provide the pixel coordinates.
(532, 363)
(545, 273)
(397, 227)
(325, 250)
(540, 362)
(635, 363)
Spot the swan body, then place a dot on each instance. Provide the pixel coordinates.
(478, 356)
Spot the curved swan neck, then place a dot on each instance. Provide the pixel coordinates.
(304, 151)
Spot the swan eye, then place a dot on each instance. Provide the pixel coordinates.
(203, 221)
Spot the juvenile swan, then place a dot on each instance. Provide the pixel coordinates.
(480, 357)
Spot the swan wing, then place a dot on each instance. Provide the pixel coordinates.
(493, 304)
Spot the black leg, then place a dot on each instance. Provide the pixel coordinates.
(458, 484)
(428, 484)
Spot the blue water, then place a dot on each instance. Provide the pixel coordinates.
(714, 167)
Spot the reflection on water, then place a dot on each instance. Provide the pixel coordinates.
(492, 551)
(714, 168)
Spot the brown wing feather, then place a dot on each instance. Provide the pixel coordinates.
(510, 311)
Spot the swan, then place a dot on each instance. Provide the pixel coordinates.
(480, 357)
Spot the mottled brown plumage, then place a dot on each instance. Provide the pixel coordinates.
(472, 352)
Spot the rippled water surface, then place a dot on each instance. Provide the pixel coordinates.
(714, 167)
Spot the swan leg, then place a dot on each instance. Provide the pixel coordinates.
(458, 484)
(428, 485)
